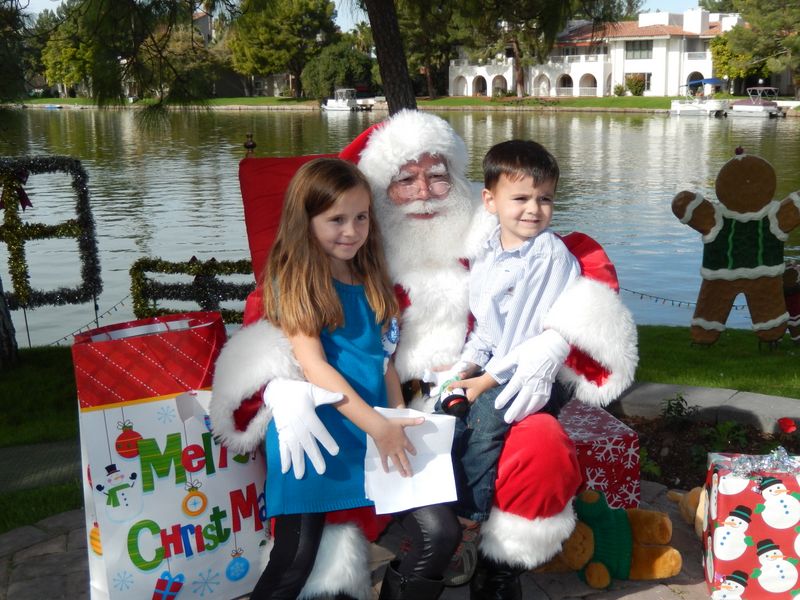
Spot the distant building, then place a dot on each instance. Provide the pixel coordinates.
(667, 49)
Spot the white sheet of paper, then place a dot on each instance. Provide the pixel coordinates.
(432, 482)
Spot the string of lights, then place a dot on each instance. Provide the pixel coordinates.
(91, 324)
(671, 301)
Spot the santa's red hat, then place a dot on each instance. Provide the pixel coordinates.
(384, 148)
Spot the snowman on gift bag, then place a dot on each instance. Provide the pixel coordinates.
(781, 508)
(778, 572)
(727, 485)
(732, 587)
(124, 498)
(730, 541)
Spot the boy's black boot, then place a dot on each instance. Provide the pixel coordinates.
(495, 581)
(411, 587)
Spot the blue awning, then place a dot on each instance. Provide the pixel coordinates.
(709, 81)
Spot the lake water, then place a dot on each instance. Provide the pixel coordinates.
(174, 194)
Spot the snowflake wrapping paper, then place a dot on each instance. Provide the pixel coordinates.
(608, 452)
(751, 531)
(170, 512)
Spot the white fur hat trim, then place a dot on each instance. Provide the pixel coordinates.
(405, 137)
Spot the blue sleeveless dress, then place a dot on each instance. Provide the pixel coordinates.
(356, 351)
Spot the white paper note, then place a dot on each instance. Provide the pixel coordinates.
(432, 482)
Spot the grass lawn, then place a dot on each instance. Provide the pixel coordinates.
(40, 405)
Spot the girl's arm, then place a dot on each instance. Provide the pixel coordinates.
(394, 394)
(388, 434)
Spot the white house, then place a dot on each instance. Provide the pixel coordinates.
(667, 49)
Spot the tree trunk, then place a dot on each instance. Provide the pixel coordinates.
(8, 338)
(429, 80)
(391, 56)
(519, 70)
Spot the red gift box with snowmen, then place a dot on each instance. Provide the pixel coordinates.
(751, 525)
(608, 452)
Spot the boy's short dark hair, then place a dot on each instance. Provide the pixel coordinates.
(518, 158)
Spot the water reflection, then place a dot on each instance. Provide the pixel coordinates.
(173, 193)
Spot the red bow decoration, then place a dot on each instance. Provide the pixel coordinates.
(13, 186)
(787, 425)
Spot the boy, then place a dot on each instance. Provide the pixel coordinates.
(514, 281)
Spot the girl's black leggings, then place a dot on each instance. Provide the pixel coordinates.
(434, 532)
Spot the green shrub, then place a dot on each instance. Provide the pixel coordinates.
(619, 90)
(635, 83)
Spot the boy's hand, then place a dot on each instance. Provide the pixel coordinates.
(538, 361)
(474, 386)
(439, 377)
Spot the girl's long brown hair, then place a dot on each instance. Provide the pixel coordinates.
(298, 286)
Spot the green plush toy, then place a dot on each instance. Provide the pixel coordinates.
(616, 543)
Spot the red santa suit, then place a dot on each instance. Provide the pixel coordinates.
(538, 474)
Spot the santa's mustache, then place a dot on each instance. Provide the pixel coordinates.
(422, 207)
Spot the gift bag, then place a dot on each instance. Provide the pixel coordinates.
(169, 511)
(751, 528)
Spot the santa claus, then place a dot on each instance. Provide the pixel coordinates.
(429, 238)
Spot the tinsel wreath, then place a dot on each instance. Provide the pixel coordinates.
(205, 289)
(14, 173)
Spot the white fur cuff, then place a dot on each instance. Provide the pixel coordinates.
(528, 543)
(341, 566)
(248, 361)
(593, 319)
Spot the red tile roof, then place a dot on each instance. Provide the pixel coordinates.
(630, 29)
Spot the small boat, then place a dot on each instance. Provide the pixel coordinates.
(761, 103)
(698, 104)
(344, 99)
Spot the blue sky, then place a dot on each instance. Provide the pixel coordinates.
(348, 14)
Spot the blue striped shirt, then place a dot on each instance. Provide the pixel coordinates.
(510, 292)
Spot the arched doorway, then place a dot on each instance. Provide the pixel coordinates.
(499, 86)
(541, 87)
(588, 85)
(479, 86)
(460, 86)
(564, 86)
(694, 76)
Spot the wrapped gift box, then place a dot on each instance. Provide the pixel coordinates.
(751, 526)
(608, 452)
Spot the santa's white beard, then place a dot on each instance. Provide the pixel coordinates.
(414, 244)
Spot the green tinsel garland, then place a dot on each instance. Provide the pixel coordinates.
(14, 173)
(206, 289)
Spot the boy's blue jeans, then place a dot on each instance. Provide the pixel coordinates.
(478, 441)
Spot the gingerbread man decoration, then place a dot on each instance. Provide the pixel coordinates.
(791, 291)
(743, 238)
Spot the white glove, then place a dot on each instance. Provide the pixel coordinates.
(538, 361)
(293, 405)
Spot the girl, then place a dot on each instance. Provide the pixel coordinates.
(332, 298)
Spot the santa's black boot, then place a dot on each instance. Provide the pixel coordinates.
(408, 587)
(495, 581)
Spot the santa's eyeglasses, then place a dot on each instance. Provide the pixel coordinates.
(410, 187)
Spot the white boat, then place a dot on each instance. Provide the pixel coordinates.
(698, 104)
(761, 103)
(344, 99)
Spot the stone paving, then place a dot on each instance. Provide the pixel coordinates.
(49, 559)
